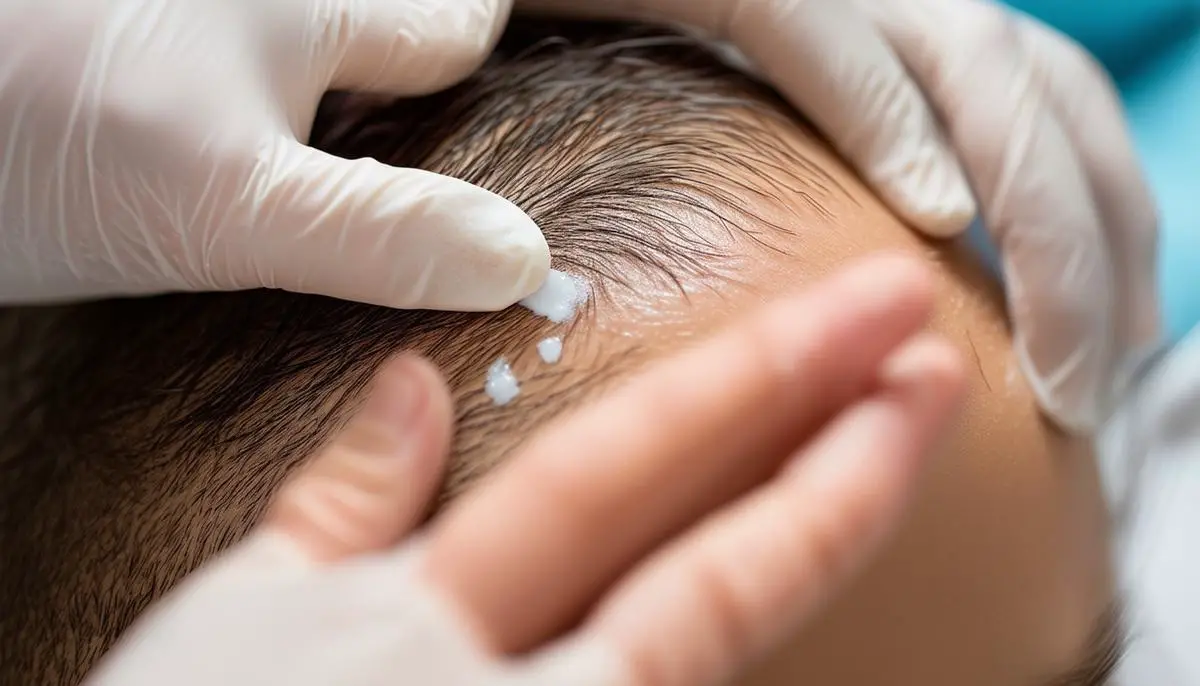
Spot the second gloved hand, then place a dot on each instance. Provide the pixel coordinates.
(155, 145)
(1040, 130)
(1029, 125)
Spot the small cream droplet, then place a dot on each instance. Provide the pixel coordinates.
(550, 350)
(558, 298)
(502, 385)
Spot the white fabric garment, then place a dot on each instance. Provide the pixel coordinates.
(1150, 457)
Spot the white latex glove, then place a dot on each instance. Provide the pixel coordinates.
(1029, 116)
(719, 518)
(153, 145)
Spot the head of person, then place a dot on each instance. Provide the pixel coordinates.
(143, 436)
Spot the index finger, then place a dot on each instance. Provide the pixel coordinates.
(526, 554)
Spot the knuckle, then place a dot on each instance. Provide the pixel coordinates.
(355, 463)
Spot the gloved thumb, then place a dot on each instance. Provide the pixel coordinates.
(413, 47)
(371, 485)
(361, 230)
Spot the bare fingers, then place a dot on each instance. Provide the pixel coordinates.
(740, 582)
(528, 552)
(371, 484)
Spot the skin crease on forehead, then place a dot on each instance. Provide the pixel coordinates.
(1002, 570)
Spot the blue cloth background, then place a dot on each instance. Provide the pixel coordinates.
(1152, 47)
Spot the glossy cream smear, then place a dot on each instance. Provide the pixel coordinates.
(558, 300)
(550, 350)
(502, 385)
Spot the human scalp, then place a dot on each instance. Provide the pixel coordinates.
(143, 436)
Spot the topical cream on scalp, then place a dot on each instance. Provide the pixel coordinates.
(502, 386)
(550, 350)
(558, 298)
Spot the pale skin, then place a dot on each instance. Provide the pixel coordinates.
(638, 532)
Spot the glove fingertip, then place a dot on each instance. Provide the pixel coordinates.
(493, 253)
(931, 195)
(943, 222)
(405, 238)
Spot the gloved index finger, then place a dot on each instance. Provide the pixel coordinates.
(529, 551)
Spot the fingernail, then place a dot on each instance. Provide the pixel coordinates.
(397, 401)
(355, 496)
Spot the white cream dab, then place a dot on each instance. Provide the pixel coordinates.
(502, 386)
(550, 349)
(558, 298)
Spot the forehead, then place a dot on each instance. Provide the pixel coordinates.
(1002, 571)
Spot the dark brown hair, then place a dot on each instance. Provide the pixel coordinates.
(141, 436)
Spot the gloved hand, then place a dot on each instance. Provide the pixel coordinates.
(1029, 116)
(154, 145)
(685, 553)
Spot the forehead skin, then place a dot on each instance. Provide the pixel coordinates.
(1002, 571)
